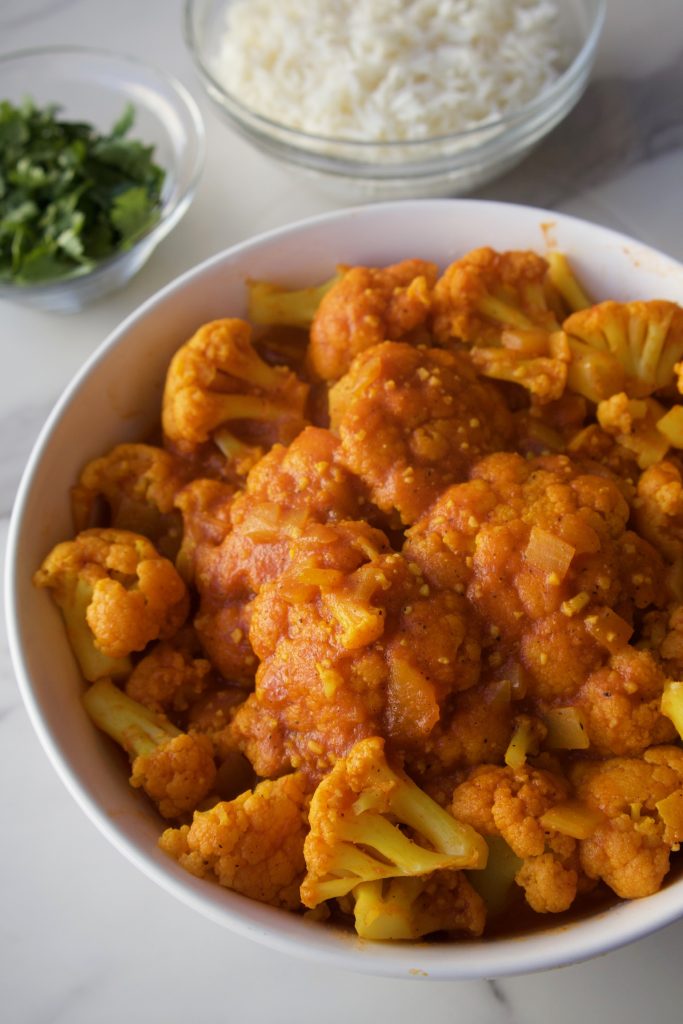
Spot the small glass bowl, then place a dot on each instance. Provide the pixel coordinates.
(438, 166)
(94, 86)
(447, 165)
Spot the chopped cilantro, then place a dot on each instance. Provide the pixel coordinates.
(70, 197)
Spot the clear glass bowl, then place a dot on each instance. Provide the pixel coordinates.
(437, 166)
(94, 86)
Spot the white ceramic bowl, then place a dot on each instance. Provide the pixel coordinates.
(116, 396)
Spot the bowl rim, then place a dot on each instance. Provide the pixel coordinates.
(170, 213)
(556, 946)
(502, 125)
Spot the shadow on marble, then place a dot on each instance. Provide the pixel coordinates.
(619, 122)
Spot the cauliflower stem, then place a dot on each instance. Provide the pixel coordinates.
(134, 727)
(356, 816)
(175, 769)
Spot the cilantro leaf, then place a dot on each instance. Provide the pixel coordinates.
(69, 196)
(125, 122)
(132, 213)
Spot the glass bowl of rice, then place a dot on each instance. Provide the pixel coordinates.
(382, 99)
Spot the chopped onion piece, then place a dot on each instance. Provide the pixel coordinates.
(609, 629)
(671, 426)
(524, 741)
(549, 553)
(572, 818)
(670, 810)
(566, 729)
(672, 703)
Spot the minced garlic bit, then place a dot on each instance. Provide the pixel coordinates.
(575, 604)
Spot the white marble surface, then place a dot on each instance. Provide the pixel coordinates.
(84, 938)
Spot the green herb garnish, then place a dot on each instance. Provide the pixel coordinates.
(70, 197)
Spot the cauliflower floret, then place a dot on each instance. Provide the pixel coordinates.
(633, 424)
(621, 704)
(253, 844)
(474, 728)
(287, 493)
(412, 421)
(355, 835)
(138, 483)
(534, 359)
(172, 676)
(624, 346)
(543, 376)
(408, 908)
(542, 551)
(486, 292)
(174, 768)
(369, 305)
(219, 390)
(550, 886)
(304, 475)
(658, 516)
(641, 800)
(116, 593)
(211, 715)
(205, 508)
(599, 452)
(509, 804)
(347, 653)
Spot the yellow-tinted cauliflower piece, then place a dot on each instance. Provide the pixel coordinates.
(658, 512)
(172, 676)
(641, 800)
(633, 424)
(412, 421)
(509, 804)
(219, 390)
(204, 505)
(542, 550)
(367, 306)
(531, 358)
(624, 346)
(486, 292)
(355, 648)
(287, 492)
(355, 836)
(117, 594)
(175, 769)
(409, 908)
(253, 844)
(138, 484)
(178, 775)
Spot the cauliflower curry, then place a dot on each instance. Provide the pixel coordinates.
(388, 617)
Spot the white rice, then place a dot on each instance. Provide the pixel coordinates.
(387, 70)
